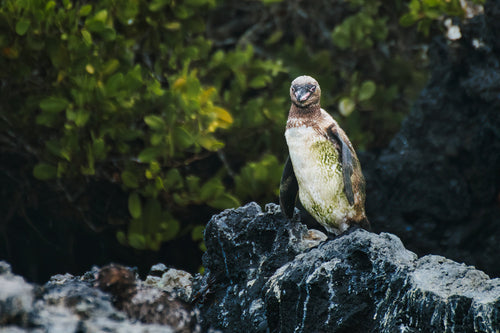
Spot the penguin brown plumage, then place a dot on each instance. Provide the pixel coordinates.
(322, 167)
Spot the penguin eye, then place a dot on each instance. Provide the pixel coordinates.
(312, 88)
(293, 88)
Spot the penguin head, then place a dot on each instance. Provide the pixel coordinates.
(305, 91)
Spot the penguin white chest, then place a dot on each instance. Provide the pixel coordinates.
(318, 170)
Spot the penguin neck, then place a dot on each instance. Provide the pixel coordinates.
(303, 115)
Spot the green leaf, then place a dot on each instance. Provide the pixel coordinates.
(172, 25)
(180, 200)
(85, 10)
(134, 205)
(346, 106)
(22, 26)
(154, 167)
(133, 80)
(275, 37)
(137, 241)
(155, 88)
(149, 154)
(414, 6)
(101, 16)
(53, 104)
(211, 189)
(108, 34)
(46, 119)
(170, 229)
(433, 14)
(111, 66)
(224, 201)
(340, 37)
(157, 5)
(197, 232)
(173, 180)
(182, 12)
(203, 248)
(367, 90)
(156, 139)
(67, 4)
(155, 122)
(113, 84)
(95, 25)
(210, 143)
(129, 179)
(121, 237)
(49, 5)
(408, 19)
(193, 184)
(81, 117)
(260, 81)
(182, 138)
(159, 183)
(44, 171)
(87, 37)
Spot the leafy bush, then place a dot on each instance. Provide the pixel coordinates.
(113, 90)
(135, 93)
(424, 13)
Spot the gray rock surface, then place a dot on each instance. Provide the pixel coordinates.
(16, 296)
(68, 304)
(262, 276)
(171, 280)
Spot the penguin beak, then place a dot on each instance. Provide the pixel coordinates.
(303, 93)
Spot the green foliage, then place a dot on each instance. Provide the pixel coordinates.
(197, 235)
(369, 71)
(134, 92)
(425, 12)
(259, 179)
(115, 91)
(366, 83)
(362, 29)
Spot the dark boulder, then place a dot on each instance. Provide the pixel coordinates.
(263, 275)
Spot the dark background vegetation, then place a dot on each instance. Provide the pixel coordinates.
(126, 124)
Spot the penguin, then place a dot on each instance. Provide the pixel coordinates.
(322, 166)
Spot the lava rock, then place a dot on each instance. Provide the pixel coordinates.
(16, 297)
(245, 247)
(261, 278)
(173, 281)
(119, 281)
(111, 299)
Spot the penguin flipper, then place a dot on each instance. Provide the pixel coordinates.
(347, 163)
(288, 189)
